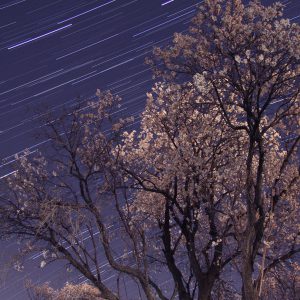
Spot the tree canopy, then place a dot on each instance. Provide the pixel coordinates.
(205, 193)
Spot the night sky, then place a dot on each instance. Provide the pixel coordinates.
(53, 53)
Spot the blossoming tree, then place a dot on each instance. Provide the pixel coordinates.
(66, 204)
(245, 60)
(205, 193)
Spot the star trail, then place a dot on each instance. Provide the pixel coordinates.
(53, 53)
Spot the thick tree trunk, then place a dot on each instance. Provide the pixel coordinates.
(248, 289)
(248, 238)
(206, 286)
(205, 293)
(254, 230)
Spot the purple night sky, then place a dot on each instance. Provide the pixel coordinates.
(53, 52)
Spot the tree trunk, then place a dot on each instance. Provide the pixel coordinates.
(205, 293)
(248, 239)
(205, 289)
(249, 292)
(248, 289)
